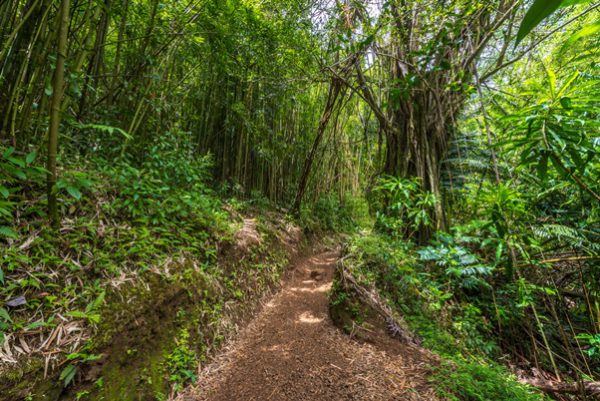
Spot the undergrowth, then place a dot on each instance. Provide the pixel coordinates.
(333, 215)
(121, 220)
(457, 331)
(126, 223)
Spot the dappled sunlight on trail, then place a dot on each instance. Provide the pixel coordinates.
(293, 351)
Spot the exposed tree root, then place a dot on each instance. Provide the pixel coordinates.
(396, 325)
(589, 388)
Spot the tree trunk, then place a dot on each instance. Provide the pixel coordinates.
(332, 99)
(416, 148)
(58, 85)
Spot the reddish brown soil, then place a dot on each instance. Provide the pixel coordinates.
(292, 351)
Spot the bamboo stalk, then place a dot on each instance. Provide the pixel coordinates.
(55, 112)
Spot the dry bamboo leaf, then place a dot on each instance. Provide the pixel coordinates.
(24, 345)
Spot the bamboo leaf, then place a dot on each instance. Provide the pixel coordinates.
(9, 151)
(30, 157)
(582, 33)
(540, 10)
(74, 192)
(68, 374)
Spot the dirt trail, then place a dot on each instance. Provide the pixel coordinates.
(292, 351)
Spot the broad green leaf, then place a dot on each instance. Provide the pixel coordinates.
(4, 191)
(540, 10)
(84, 182)
(68, 374)
(30, 157)
(566, 103)
(74, 192)
(9, 151)
(16, 161)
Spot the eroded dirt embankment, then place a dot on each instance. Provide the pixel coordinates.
(140, 342)
(293, 351)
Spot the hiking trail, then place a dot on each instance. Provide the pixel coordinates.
(292, 351)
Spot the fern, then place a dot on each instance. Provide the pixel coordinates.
(565, 236)
(7, 232)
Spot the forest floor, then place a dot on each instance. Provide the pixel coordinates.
(293, 351)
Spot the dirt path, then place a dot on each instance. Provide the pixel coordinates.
(292, 351)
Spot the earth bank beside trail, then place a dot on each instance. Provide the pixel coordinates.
(155, 327)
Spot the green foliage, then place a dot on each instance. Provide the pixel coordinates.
(181, 362)
(169, 184)
(15, 172)
(462, 267)
(68, 374)
(109, 236)
(331, 214)
(464, 380)
(541, 10)
(104, 129)
(229, 94)
(593, 344)
(439, 302)
(431, 293)
(402, 207)
(73, 182)
(91, 311)
(538, 226)
(558, 129)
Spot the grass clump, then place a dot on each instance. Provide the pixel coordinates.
(471, 380)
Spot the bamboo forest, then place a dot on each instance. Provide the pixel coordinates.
(304, 200)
